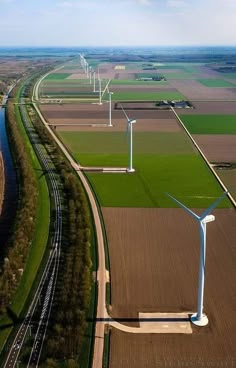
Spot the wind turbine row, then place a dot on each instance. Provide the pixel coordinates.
(91, 74)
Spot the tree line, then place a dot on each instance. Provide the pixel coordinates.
(24, 226)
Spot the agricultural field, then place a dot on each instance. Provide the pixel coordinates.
(158, 267)
(154, 246)
(217, 147)
(210, 124)
(216, 83)
(211, 108)
(194, 90)
(148, 96)
(57, 76)
(138, 83)
(164, 161)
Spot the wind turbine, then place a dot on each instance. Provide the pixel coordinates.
(130, 123)
(110, 94)
(87, 69)
(199, 318)
(90, 75)
(100, 91)
(94, 81)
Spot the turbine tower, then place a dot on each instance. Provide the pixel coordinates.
(94, 81)
(90, 75)
(100, 91)
(130, 123)
(199, 318)
(110, 94)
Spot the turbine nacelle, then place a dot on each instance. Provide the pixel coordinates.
(208, 218)
(131, 121)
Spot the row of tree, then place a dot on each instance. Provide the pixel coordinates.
(73, 292)
(23, 231)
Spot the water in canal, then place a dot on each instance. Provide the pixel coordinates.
(10, 195)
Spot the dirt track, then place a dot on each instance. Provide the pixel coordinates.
(154, 267)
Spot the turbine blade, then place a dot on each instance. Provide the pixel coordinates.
(125, 113)
(214, 204)
(184, 207)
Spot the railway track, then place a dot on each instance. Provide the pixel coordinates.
(42, 302)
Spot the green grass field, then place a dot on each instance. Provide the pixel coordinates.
(164, 162)
(181, 75)
(55, 76)
(153, 73)
(185, 176)
(227, 75)
(64, 82)
(210, 124)
(215, 83)
(147, 96)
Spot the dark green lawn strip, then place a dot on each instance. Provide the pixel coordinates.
(210, 124)
(55, 76)
(216, 83)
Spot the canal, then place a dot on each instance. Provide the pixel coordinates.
(10, 194)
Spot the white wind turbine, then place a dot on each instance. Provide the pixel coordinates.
(199, 318)
(90, 75)
(130, 123)
(110, 94)
(94, 81)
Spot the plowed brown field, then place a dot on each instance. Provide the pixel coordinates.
(211, 108)
(154, 256)
(69, 117)
(194, 90)
(216, 147)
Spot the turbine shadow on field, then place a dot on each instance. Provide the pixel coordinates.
(148, 319)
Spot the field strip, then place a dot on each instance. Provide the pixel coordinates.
(204, 157)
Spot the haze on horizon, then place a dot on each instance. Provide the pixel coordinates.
(118, 22)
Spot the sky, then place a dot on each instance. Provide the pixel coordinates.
(117, 22)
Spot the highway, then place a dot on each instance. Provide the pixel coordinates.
(43, 298)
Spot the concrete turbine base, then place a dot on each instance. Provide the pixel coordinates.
(199, 322)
